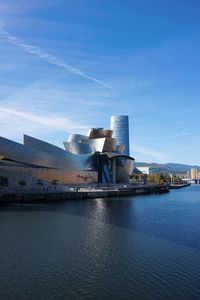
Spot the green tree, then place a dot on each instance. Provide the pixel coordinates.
(134, 176)
(152, 178)
(159, 178)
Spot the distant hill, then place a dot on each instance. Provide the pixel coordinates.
(168, 168)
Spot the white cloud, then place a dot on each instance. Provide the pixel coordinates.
(54, 122)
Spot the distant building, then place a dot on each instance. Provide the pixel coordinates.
(194, 173)
(149, 169)
(120, 127)
(181, 175)
(188, 175)
(144, 170)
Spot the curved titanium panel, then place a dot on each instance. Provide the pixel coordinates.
(120, 148)
(20, 153)
(127, 162)
(77, 138)
(78, 148)
(123, 168)
(82, 161)
(103, 144)
(95, 153)
(96, 133)
(50, 157)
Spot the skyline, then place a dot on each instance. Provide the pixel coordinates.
(66, 67)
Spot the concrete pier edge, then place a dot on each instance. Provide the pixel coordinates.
(34, 197)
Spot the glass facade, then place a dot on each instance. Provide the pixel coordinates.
(120, 127)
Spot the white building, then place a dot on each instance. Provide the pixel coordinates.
(144, 170)
(194, 173)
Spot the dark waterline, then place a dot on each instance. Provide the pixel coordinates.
(145, 247)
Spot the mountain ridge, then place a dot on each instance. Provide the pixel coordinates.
(169, 167)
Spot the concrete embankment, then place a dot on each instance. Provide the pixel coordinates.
(80, 194)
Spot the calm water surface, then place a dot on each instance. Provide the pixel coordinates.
(145, 247)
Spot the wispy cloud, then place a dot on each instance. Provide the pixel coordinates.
(191, 136)
(159, 156)
(52, 59)
(57, 123)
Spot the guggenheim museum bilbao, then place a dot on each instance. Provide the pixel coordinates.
(101, 156)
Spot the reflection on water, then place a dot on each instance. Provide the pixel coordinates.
(145, 247)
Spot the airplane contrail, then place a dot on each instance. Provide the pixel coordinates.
(52, 59)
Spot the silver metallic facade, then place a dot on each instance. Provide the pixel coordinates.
(94, 157)
(120, 127)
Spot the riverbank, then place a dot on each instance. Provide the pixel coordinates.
(82, 193)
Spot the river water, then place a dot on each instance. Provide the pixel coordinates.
(141, 247)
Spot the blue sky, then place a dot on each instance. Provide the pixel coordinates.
(68, 65)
